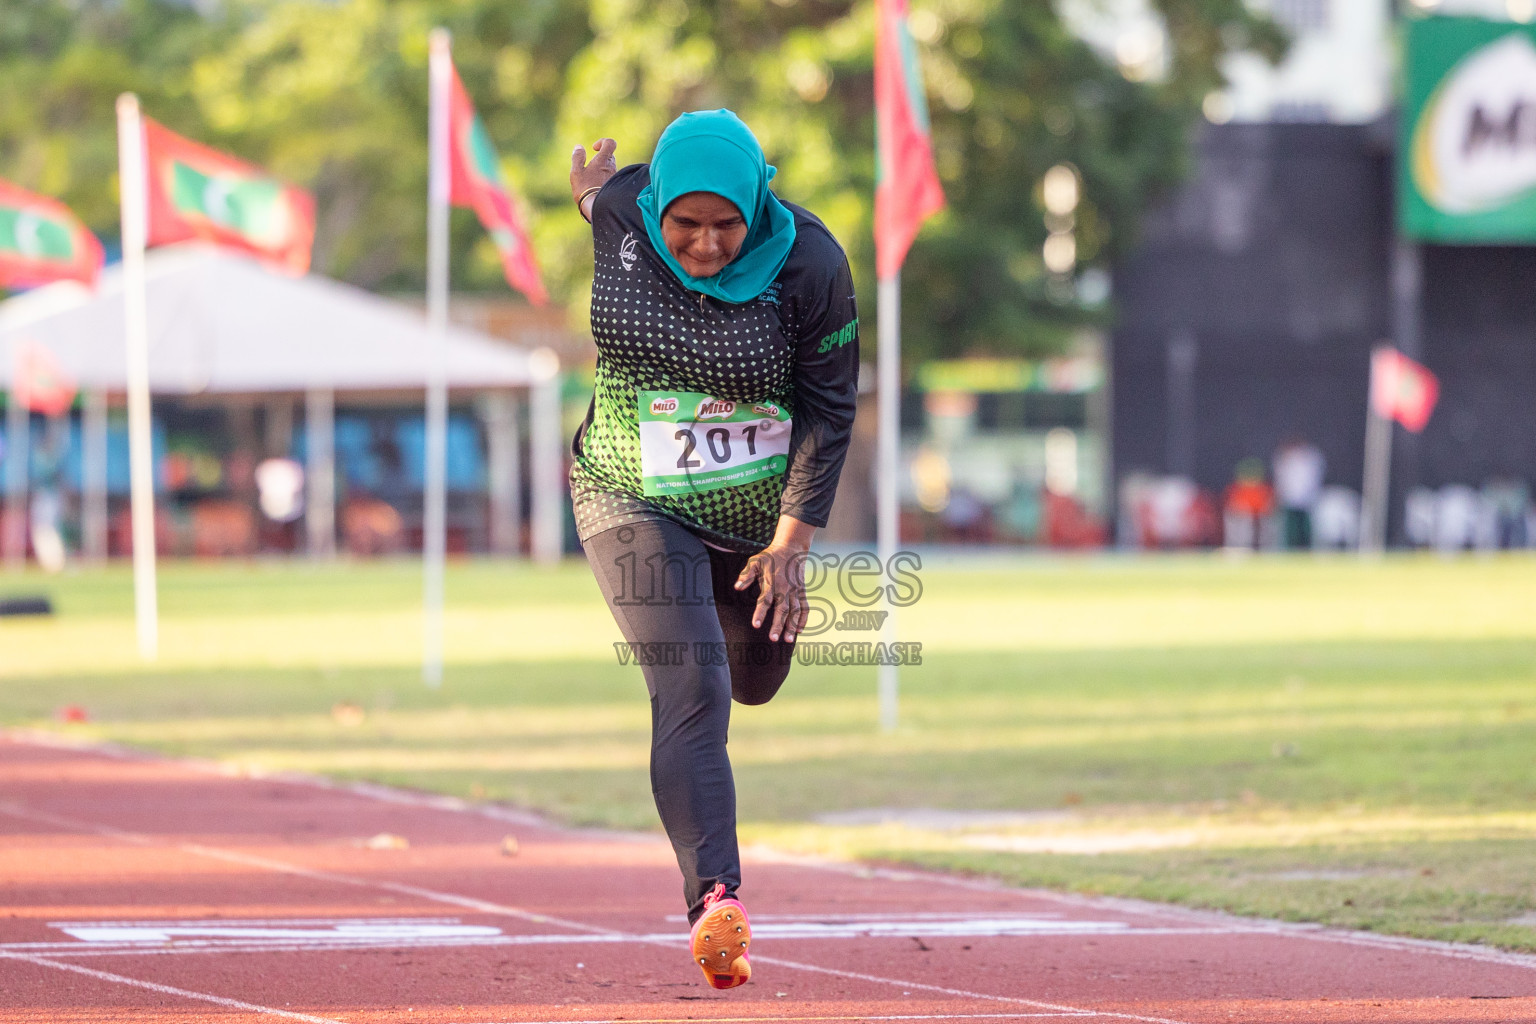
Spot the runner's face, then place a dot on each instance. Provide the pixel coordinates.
(703, 232)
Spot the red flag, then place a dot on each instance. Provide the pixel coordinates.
(476, 181)
(1402, 389)
(907, 190)
(200, 193)
(40, 383)
(41, 241)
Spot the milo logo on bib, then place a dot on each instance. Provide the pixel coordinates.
(691, 442)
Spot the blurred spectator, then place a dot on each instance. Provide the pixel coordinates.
(1166, 512)
(1132, 529)
(1506, 509)
(240, 471)
(1419, 517)
(1246, 508)
(1336, 519)
(1456, 514)
(171, 533)
(1181, 516)
(385, 447)
(371, 527)
(223, 528)
(1020, 516)
(47, 504)
(280, 486)
(1169, 503)
(965, 517)
(1299, 469)
(1068, 524)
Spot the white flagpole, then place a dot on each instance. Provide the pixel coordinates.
(545, 458)
(131, 177)
(18, 429)
(888, 308)
(1378, 463)
(93, 471)
(434, 517)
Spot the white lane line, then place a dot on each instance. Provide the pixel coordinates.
(28, 813)
(226, 932)
(189, 946)
(1076, 901)
(76, 950)
(169, 990)
(1061, 1008)
(924, 915)
(780, 1017)
(224, 770)
(400, 888)
(1207, 918)
(492, 908)
(255, 922)
(249, 860)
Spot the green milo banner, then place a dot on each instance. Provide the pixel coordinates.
(1467, 153)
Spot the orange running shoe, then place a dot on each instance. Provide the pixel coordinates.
(720, 939)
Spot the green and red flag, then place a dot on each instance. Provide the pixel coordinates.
(476, 181)
(1402, 389)
(40, 383)
(907, 190)
(196, 192)
(41, 241)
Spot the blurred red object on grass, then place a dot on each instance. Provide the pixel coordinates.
(73, 713)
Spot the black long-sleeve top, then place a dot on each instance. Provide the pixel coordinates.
(710, 384)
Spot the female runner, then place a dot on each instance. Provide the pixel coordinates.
(727, 365)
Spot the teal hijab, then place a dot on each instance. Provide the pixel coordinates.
(714, 151)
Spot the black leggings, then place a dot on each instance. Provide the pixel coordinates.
(675, 601)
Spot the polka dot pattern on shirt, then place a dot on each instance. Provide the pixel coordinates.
(653, 334)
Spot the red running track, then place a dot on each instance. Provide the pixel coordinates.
(136, 889)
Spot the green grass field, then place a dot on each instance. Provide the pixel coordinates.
(1311, 739)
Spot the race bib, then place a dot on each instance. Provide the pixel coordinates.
(692, 442)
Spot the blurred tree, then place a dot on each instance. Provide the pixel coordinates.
(333, 95)
(62, 66)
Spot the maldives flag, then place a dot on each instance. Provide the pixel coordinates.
(476, 181)
(200, 193)
(41, 241)
(41, 384)
(907, 190)
(1402, 389)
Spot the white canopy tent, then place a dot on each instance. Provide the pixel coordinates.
(222, 323)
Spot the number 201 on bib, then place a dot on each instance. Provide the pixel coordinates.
(694, 442)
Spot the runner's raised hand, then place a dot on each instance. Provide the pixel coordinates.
(588, 177)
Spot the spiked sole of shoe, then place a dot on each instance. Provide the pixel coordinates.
(720, 938)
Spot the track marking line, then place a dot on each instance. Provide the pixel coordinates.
(324, 942)
(169, 990)
(224, 931)
(781, 1017)
(244, 922)
(1060, 1008)
(1210, 918)
(920, 915)
(454, 805)
(488, 907)
(400, 888)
